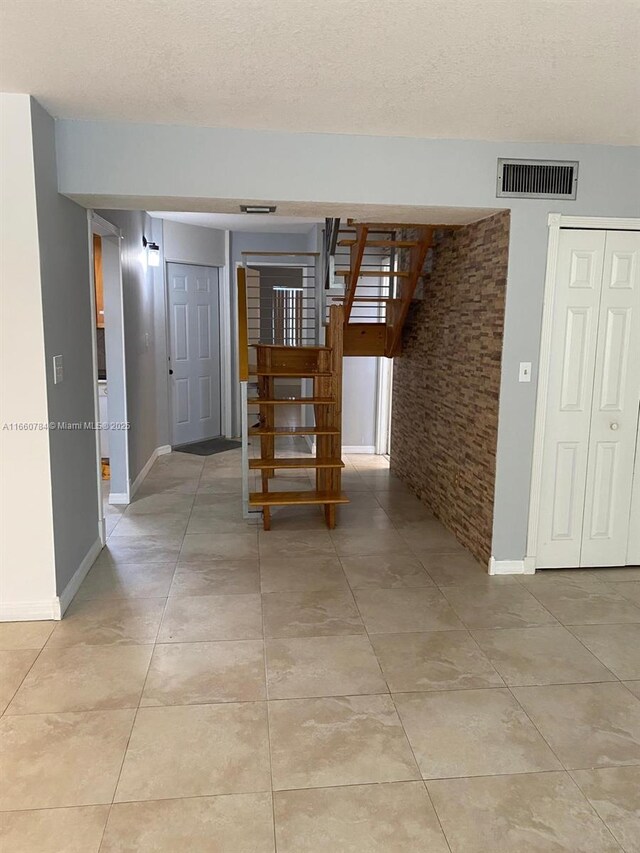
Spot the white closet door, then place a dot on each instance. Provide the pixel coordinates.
(614, 414)
(569, 399)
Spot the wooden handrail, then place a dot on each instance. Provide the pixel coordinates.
(243, 331)
(356, 254)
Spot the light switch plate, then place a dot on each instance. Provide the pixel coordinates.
(524, 374)
(58, 369)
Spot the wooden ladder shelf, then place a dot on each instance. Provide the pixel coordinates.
(322, 364)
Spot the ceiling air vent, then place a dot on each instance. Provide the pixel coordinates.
(537, 178)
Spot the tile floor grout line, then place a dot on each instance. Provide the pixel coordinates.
(622, 599)
(569, 627)
(525, 712)
(268, 713)
(562, 771)
(15, 693)
(571, 775)
(135, 716)
(435, 811)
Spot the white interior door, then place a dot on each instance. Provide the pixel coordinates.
(194, 330)
(614, 413)
(592, 402)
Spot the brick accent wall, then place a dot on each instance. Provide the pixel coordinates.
(447, 381)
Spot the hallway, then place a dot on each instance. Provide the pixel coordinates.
(363, 690)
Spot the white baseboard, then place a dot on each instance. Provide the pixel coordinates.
(67, 594)
(118, 498)
(29, 611)
(510, 567)
(51, 608)
(359, 448)
(159, 451)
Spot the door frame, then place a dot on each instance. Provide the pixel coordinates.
(245, 264)
(384, 406)
(556, 221)
(224, 323)
(97, 225)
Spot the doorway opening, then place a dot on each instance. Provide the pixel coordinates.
(110, 384)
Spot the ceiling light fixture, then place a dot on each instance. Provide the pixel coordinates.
(258, 208)
(153, 252)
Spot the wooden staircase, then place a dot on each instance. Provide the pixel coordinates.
(385, 305)
(323, 365)
(382, 265)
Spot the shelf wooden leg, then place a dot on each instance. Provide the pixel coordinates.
(330, 515)
(266, 517)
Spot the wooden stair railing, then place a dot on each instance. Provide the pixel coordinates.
(391, 302)
(322, 364)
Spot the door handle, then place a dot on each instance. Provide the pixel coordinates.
(613, 425)
(170, 372)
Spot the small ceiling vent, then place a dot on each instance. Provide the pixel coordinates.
(537, 178)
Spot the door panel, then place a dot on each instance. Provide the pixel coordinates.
(633, 549)
(181, 400)
(195, 352)
(576, 351)
(564, 498)
(605, 459)
(614, 414)
(570, 394)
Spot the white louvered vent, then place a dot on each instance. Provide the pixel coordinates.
(537, 178)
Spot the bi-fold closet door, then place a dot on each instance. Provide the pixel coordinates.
(588, 513)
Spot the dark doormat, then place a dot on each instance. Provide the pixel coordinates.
(208, 447)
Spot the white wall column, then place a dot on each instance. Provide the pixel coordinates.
(27, 560)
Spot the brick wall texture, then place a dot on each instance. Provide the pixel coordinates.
(447, 380)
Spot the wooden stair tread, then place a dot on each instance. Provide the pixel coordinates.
(293, 498)
(292, 401)
(364, 298)
(400, 244)
(285, 347)
(295, 462)
(375, 273)
(294, 431)
(288, 373)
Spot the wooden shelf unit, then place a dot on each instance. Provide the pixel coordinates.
(323, 365)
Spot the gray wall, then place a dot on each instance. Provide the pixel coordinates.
(140, 295)
(193, 244)
(102, 159)
(64, 260)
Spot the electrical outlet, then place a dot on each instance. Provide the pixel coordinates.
(524, 374)
(58, 369)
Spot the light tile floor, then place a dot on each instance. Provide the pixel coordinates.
(366, 690)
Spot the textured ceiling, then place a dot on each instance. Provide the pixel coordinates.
(543, 70)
